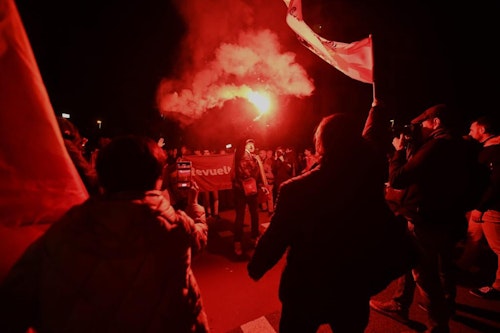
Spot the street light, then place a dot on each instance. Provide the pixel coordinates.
(99, 124)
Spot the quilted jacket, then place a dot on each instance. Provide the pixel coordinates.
(116, 263)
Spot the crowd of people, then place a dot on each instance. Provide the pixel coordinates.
(268, 167)
(361, 200)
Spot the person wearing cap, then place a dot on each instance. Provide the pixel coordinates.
(247, 179)
(436, 179)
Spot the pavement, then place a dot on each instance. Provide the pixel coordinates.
(237, 304)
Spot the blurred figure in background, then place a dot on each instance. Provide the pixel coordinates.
(266, 200)
(268, 170)
(485, 217)
(282, 170)
(172, 156)
(210, 199)
(310, 160)
(101, 143)
(293, 160)
(74, 144)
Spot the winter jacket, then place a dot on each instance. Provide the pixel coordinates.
(116, 263)
(436, 179)
(246, 166)
(333, 224)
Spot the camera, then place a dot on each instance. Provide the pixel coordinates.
(184, 174)
(412, 136)
(409, 131)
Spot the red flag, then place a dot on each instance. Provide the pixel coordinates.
(38, 181)
(212, 172)
(353, 59)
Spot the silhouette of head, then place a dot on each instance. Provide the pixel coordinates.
(130, 163)
(336, 135)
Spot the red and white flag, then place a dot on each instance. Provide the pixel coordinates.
(38, 181)
(353, 59)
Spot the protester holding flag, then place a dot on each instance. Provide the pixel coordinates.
(342, 242)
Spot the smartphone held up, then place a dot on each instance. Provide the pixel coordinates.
(184, 174)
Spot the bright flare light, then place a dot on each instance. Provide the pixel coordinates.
(262, 101)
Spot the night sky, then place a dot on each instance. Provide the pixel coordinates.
(104, 60)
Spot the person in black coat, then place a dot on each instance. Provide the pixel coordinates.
(337, 231)
(436, 179)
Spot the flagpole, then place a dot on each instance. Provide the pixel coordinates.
(373, 71)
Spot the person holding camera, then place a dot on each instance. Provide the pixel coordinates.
(118, 262)
(435, 178)
(247, 179)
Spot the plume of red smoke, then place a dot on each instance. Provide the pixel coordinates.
(227, 52)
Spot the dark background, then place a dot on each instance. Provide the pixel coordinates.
(103, 60)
